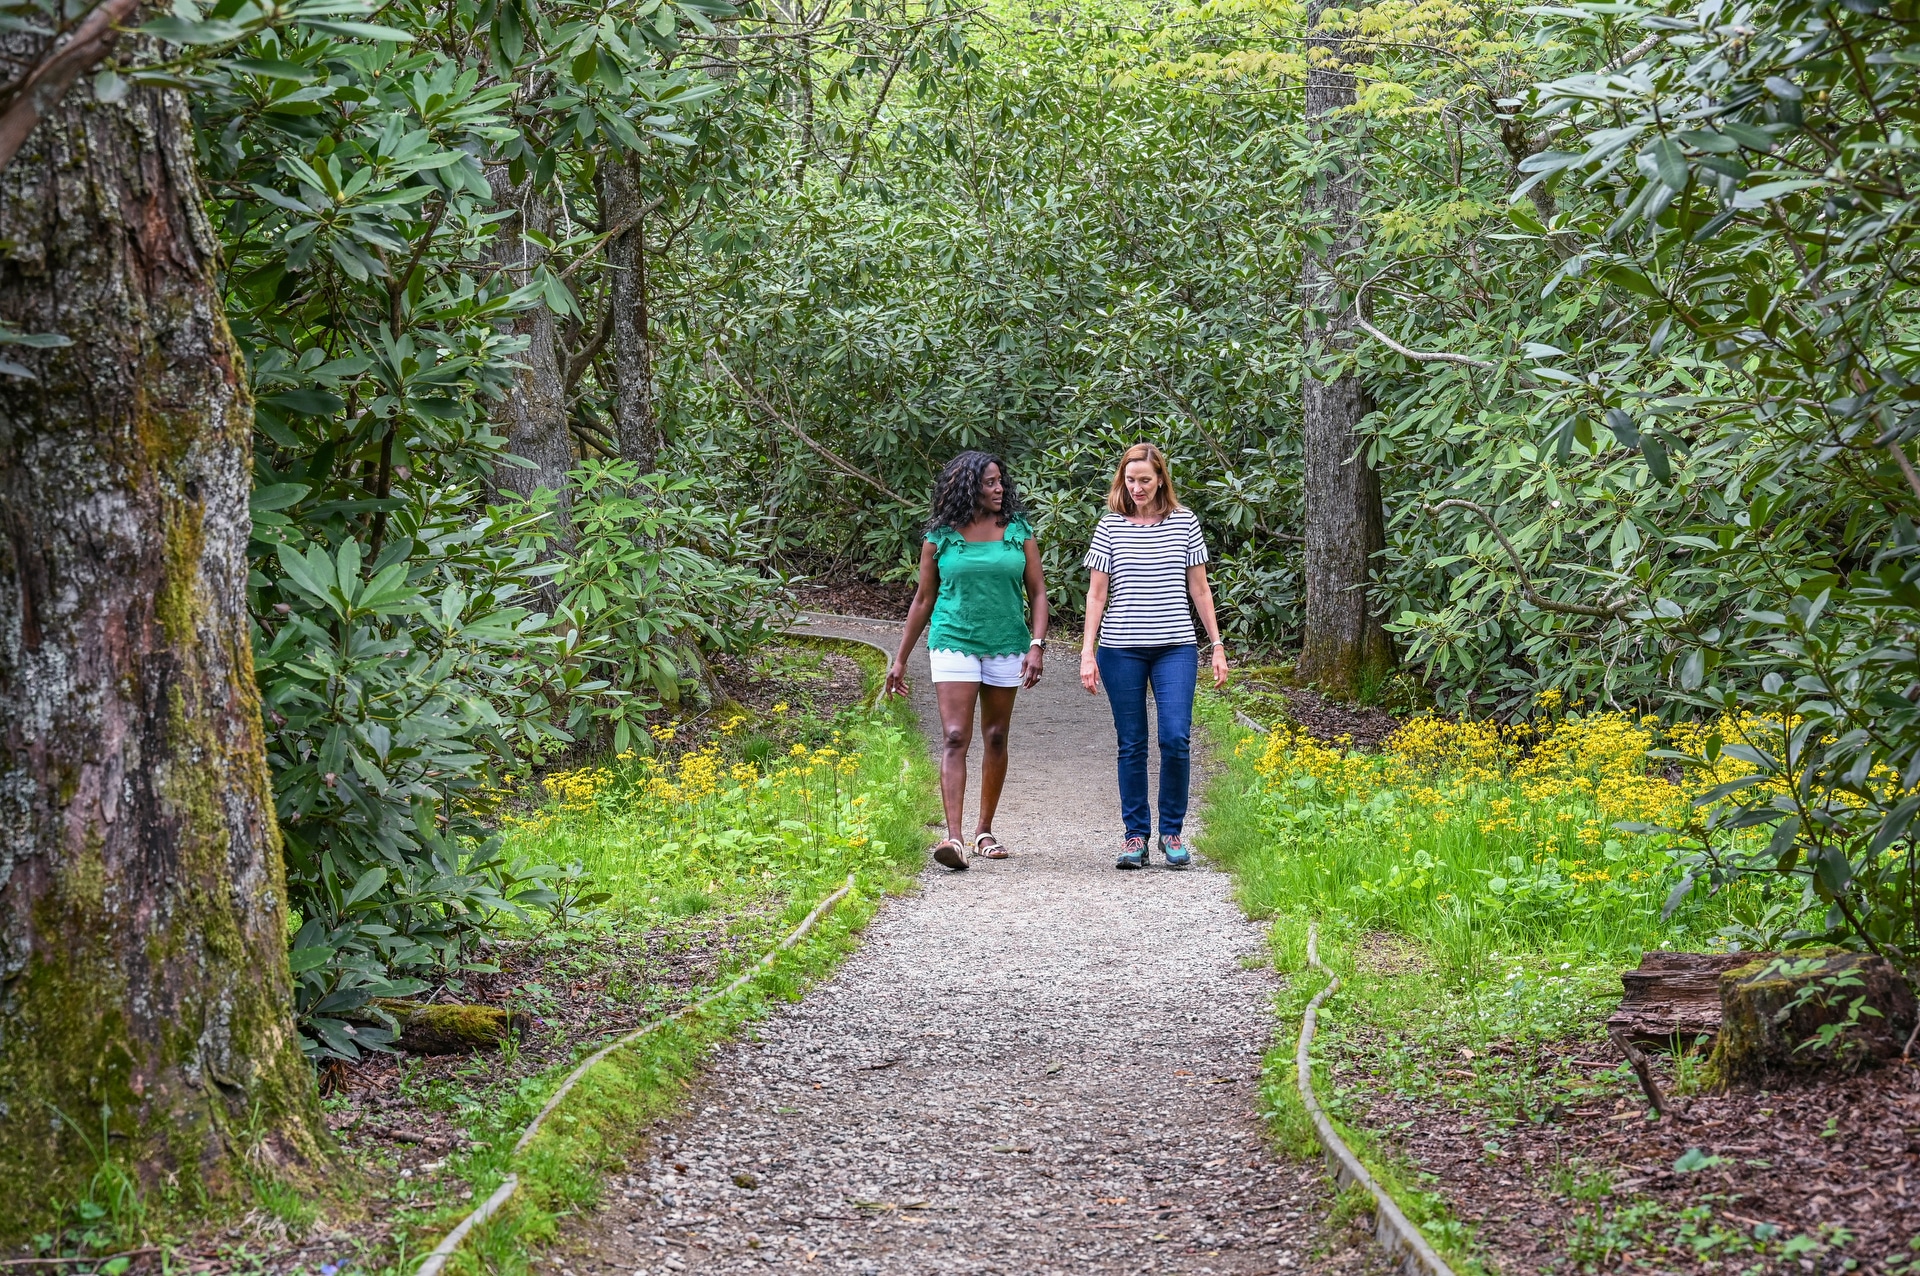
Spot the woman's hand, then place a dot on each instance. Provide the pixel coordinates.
(1030, 667)
(1089, 672)
(896, 679)
(1219, 666)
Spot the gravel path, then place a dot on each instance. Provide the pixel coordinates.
(1041, 1065)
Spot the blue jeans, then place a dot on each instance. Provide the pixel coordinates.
(1172, 671)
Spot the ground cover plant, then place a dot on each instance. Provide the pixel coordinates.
(673, 869)
(1473, 886)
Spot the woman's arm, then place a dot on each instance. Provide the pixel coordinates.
(922, 607)
(1096, 608)
(1202, 595)
(1030, 668)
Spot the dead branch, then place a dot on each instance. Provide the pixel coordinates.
(587, 254)
(48, 82)
(1644, 1071)
(832, 458)
(1631, 56)
(1418, 356)
(1532, 595)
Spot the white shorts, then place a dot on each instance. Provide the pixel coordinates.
(958, 666)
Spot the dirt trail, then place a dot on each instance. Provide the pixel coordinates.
(1041, 1065)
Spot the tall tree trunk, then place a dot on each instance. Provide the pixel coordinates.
(1343, 645)
(534, 414)
(143, 906)
(635, 426)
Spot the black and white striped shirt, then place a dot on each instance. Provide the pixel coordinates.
(1147, 603)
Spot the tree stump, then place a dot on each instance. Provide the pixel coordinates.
(1793, 1016)
(454, 1029)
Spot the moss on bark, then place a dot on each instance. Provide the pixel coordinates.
(144, 988)
(1802, 1014)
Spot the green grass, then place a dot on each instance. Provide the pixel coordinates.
(652, 843)
(1465, 945)
(1475, 866)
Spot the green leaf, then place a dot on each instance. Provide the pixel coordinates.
(1757, 196)
(1655, 453)
(278, 496)
(1752, 138)
(370, 881)
(275, 69)
(305, 959)
(359, 30)
(178, 30)
(1670, 162)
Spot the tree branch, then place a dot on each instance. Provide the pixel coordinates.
(873, 116)
(397, 284)
(1465, 361)
(577, 366)
(1906, 467)
(587, 254)
(1532, 595)
(48, 82)
(1631, 56)
(846, 467)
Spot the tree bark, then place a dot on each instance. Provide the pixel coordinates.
(1808, 1013)
(636, 427)
(534, 414)
(143, 909)
(1343, 646)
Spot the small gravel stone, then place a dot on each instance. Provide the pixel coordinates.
(1041, 1065)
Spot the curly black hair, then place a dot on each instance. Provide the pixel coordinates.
(956, 493)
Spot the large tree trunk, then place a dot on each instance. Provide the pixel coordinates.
(143, 908)
(534, 414)
(636, 430)
(1343, 646)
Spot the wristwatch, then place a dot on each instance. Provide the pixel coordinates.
(1038, 642)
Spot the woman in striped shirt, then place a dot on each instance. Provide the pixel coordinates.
(1148, 561)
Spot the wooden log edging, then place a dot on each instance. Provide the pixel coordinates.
(1396, 1233)
(432, 1264)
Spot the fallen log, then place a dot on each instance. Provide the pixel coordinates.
(454, 1028)
(1673, 999)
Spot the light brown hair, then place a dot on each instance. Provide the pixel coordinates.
(1120, 503)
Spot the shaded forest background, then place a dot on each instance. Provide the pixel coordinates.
(574, 332)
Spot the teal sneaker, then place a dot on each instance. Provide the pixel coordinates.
(1175, 849)
(1135, 854)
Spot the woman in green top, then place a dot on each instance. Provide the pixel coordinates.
(979, 583)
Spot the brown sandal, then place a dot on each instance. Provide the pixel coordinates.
(951, 855)
(994, 852)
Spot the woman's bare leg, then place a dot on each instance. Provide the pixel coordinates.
(996, 712)
(956, 726)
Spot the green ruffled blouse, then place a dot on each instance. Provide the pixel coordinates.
(981, 609)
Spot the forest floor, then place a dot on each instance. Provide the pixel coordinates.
(1473, 1072)
(405, 1123)
(1822, 1178)
(1039, 1065)
(857, 596)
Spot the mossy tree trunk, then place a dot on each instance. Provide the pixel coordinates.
(533, 416)
(636, 427)
(143, 910)
(1342, 644)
